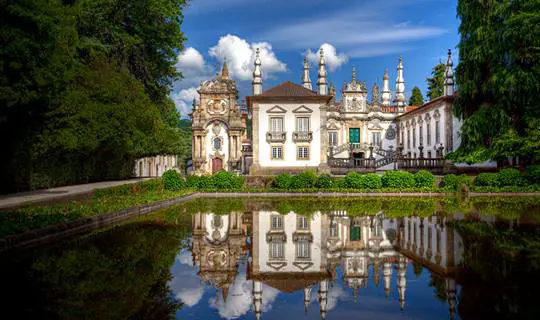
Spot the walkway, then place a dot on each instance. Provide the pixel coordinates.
(24, 198)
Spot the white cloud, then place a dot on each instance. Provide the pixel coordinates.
(190, 58)
(185, 283)
(333, 59)
(240, 56)
(184, 100)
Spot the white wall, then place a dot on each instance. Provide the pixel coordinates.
(209, 145)
(289, 227)
(289, 124)
(154, 166)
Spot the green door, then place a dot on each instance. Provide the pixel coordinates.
(354, 135)
(356, 233)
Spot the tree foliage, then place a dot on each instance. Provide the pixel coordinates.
(417, 99)
(84, 88)
(436, 81)
(498, 76)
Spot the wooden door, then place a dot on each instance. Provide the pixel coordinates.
(217, 165)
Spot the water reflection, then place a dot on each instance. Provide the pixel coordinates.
(252, 256)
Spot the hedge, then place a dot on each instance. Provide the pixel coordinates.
(398, 179)
(424, 179)
(487, 179)
(173, 181)
(510, 177)
(532, 174)
(454, 182)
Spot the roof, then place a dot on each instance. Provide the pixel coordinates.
(288, 89)
(426, 106)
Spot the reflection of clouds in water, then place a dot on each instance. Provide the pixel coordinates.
(185, 284)
(335, 293)
(240, 300)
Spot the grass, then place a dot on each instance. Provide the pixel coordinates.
(104, 201)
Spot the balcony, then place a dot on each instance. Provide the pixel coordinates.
(276, 137)
(302, 136)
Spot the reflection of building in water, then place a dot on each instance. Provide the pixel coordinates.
(294, 252)
(433, 242)
(218, 244)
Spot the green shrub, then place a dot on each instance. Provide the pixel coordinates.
(353, 180)
(424, 179)
(487, 179)
(324, 182)
(371, 181)
(282, 181)
(192, 181)
(205, 182)
(304, 180)
(510, 177)
(151, 185)
(398, 179)
(172, 180)
(532, 174)
(454, 182)
(227, 181)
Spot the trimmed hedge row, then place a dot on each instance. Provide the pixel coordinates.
(223, 180)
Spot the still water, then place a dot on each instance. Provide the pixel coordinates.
(291, 259)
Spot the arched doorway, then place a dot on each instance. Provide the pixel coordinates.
(217, 164)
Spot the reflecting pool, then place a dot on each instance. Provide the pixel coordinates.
(290, 258)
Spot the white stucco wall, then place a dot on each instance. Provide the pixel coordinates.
(209, 145)
(289, 125)
(289, 227)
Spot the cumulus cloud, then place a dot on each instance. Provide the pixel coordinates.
(185, 284)
(333, 59)
(184, 100)
(190, 58)
(240, 56)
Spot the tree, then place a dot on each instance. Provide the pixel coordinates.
(436, 81)
(497, 76)
(417, 99)
(84, 88)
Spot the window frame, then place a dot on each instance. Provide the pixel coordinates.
(335, 143)
(280, 147)
(271, 127)
(297, 123)
(298, 157)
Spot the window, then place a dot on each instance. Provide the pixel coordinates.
(421, 135)
(276, 124)
(302, 249)
(437, 132)
(302, 223)
(334, 229)
(428, 128)
(302, 124)
(276, 249)
(277, 222)
(302, 153)
(414, 138)
(277, 152)
(332, 138)
(408, 138)
(217, 144)
(376, 138)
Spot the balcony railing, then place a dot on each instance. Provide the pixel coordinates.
(302, 136)
(276, 137)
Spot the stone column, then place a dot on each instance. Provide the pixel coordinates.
(448, 127)
(255, 166)
(323, 165)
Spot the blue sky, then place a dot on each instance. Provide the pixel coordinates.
(369, 35)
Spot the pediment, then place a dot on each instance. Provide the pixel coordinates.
(276, 109)
(276, 265)
(302, 109)
(302, 265)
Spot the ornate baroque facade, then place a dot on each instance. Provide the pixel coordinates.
(219, 126)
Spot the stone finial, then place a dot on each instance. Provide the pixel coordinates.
(306, 79)
(321, 80)
(449, 76)
(225, 70)
(257, 74)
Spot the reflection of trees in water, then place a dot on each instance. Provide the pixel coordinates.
(499, 272)
(439, 286)
(120, 274)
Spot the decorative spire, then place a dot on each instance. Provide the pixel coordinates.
(402, 281)
(387, 274)
(353, 73)
(375, 93)
(257, 75)
(400, 85)
(225, 70)
(307, 298)
(449, 76)
(257, 299)
(323, 292)
(386, 95)
(321, 80)
(306, 79)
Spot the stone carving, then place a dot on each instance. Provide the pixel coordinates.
(390, 133)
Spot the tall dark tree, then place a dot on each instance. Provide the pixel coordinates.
(84, 88)
(498, 76)
(417, 99)
(436, 81)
